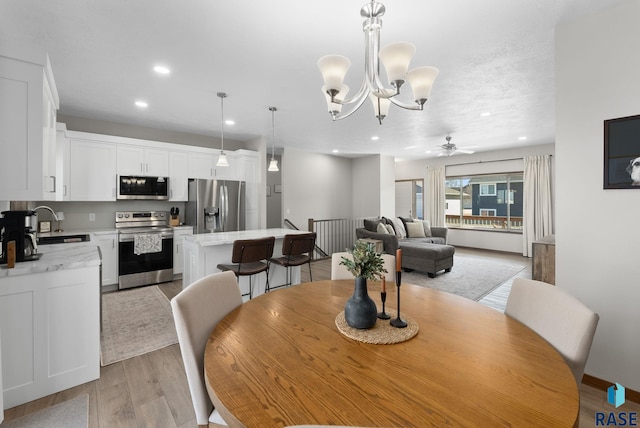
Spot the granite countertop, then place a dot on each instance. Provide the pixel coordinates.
(224, 238)
(57, 257)
(69, 232)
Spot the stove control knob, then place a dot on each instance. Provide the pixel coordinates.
(120, 215)
(126, 216)
(161, 215)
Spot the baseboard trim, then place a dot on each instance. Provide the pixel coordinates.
(603, 385)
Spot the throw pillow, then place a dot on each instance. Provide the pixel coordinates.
(427, 228)
(371, 224)
(390, 230)
(382, 228)
(399, 228)
(415, 230)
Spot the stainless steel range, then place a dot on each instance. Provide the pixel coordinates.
(145, 244)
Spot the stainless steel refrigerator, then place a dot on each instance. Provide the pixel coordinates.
(216, 205)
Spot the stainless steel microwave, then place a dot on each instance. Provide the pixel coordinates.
(140, 187)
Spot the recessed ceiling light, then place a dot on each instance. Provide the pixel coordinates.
(485, 114)
(522, 138)
(161, 69)
(428, 151)
(142, 104)
(230, 122)
(375, 138)
(335, 151)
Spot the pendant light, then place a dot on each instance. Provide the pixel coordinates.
(273, 165)
(222, 159)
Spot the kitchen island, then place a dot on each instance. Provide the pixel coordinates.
(50, 322)
(203, 252)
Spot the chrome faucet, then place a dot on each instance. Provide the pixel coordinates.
(44, 207)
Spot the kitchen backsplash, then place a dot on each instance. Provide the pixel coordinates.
(77, 214)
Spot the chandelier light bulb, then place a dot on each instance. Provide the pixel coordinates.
(421, 80)
(396, 58)
(334, 69)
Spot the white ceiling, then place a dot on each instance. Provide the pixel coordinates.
(493, 55)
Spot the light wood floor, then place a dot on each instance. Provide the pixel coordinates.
(151, 390)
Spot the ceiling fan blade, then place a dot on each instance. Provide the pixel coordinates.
(466, 152)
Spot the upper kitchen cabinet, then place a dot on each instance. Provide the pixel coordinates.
(202, 164)
(92, 169)
(139, 160)
(178, 176)
(28, 108)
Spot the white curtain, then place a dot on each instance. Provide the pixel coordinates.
(538, 221)
(436, 203)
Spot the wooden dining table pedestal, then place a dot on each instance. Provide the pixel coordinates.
(280, 360)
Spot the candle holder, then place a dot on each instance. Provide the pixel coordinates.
(383, 315)
(398, 323)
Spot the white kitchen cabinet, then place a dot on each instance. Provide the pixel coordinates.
(139, 160)
(203, 165)
(62, 164)
(178, 176)
(179, 233)
(225, 172)
(108, 244)
(200, 165)
(28, 108)
(92, 170)
(50, 332)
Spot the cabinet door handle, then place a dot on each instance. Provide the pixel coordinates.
(64, 190)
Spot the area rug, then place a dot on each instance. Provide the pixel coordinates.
(73, 413)
(135, 322)
(472, 276)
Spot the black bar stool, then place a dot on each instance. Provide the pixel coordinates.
(250, 257)
(296, 251)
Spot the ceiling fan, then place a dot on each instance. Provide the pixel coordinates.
(449, 148)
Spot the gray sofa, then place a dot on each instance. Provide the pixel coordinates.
(426, 254)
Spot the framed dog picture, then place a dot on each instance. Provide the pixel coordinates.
(622, 153)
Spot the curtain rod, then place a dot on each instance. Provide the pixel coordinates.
(487, 161)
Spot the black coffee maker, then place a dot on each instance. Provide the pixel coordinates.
(16, 226)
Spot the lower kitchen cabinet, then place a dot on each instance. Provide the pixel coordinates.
(179, 233)
(50, 332)
(108, 244)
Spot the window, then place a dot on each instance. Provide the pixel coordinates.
(484, 212)
(487, 190)
(487, 202)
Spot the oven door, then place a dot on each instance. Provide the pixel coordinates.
(144, 269)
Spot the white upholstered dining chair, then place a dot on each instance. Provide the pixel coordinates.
(339, 271)
(196, 311)
(561, 319)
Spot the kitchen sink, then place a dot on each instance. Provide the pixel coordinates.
(63, 239)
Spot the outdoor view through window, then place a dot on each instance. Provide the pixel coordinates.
(485, 202)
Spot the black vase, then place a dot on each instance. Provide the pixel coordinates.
(360, 311)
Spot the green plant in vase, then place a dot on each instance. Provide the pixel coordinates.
(360, 311)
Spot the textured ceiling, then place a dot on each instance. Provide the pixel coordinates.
(494, 55)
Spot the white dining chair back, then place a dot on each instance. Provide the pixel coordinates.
(196, 311)
(561, 319)
(339, 271)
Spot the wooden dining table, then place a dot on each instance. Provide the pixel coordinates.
(280, 360)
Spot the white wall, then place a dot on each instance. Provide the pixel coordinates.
(597, 69)
(315, 186)
(387, 186)
(366, 186)
(478, 163)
